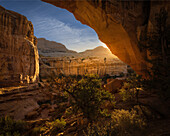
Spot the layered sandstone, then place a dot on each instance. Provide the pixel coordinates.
(119, 24)
(19, 60)
(80, 66)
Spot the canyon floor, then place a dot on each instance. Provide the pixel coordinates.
(38, 104)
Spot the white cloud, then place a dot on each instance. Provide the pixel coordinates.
(46, 20)
(74, 38)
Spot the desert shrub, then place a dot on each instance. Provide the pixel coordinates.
(58, 123)
(145, 111)
(127, 121)
(122, 123)
(131, 88)
(85, 94)
(36, 131)
(127, 93)
(10, 127)
(69, 112)
(52, 128)
(88, 96)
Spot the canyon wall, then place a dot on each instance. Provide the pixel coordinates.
(80, 66)
(119, 24)
(19, 59)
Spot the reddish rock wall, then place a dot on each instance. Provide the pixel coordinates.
(19, 60)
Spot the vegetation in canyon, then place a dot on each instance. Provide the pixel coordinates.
(86, 108)
(10, 127)
(81, 105)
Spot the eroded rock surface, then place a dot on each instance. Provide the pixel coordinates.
(24, 102)
(19, 60)
(119, 24)
(53, 49)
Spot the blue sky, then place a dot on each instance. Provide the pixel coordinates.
(55, 24)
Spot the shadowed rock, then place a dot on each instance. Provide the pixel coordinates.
(18, 51)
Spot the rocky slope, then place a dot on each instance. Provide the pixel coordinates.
(99, 51)
(54, 49)
(50, 48)
(119, 24)
(18, 51)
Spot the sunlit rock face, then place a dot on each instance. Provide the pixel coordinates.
(80, 66)
(120, 25)
(19, 60)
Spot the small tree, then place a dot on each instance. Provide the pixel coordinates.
(88, 96)
(104, 60)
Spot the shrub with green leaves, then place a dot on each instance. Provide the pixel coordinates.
(121, 123)
(88, 96)
(52, 128)
(127, 121)
(126, 92)
(85, 94)
(131, 88)
(10, 127)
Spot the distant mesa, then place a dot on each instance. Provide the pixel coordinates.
(46, 47)
(54, 49)
(99, 51)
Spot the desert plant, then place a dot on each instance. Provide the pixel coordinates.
(127, 120)
(85, 94)
(10, 127)
(126, 92)
(58, 123)
(121, 123)
(54, 127)
(131, 88)
(88, 96)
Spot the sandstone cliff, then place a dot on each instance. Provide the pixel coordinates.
(19, 60)
(119, 24)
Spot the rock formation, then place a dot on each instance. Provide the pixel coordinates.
(18, 51)
(54, 49)
(119, 24)
(99, 51)
(50, 48)
(50, 66)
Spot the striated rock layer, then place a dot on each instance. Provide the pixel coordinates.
(19, 60)
(119, 24)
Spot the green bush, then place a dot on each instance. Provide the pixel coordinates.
(69, 112)
(52, 128)
(10, 127)
(88, 96)
(127, 121)
(131, 88)
(127, 94)
(122, 123)
(85, 94)
(59, 123)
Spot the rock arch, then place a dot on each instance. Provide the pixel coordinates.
(120, 25)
